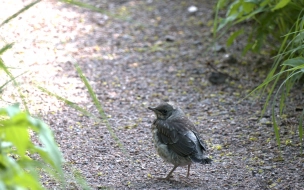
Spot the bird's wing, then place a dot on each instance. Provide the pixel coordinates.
(201, 142)
(187, 125)
(175, 134)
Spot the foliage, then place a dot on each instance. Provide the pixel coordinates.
(292, 68)
(270, 19)
(282, 20)
(18, 169)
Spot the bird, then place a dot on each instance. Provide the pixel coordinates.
(176, 139)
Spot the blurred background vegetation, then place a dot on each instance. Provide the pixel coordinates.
(275, 24)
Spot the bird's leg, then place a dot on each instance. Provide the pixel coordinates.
(168, 176)
(188, 170)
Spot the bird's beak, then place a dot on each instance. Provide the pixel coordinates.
(150, 108)
(154, 110)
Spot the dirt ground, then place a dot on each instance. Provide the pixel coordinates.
(138, 54)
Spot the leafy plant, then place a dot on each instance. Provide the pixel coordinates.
(19, 170)
(292, 69)
(270, 19)
(20, 159)
(282, 20)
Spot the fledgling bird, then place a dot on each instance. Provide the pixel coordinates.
(176, 138)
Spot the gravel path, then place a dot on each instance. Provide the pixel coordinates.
(137, 55)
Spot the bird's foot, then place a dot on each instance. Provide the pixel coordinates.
(165, 178)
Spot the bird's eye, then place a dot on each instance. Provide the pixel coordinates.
(164, 112)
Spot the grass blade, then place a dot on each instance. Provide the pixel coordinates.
(6, 47)
(99, 107)
(276, 131)
(85, 5)
(85, 112)
(2, 65)
(69, 103)
(11, 80)
(19, 12)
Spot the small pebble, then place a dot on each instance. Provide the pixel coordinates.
(264, 121)
(230, 59)
(170, 38)
(192, 9)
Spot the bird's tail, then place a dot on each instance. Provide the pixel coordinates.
(203, 160)
(206, 161)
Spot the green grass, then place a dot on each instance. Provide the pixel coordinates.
(272, 22)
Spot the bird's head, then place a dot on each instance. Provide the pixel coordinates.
(163, 111)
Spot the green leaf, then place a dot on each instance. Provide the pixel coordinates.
(264, 3)
(15, 177)
(253, 1)
(248, 7)
(234, 8)
(50, 147)
(14, 132)
(221, 4)
(14, 127)
(280, 5)
(27, 180)
(295, 62)
(247, 48)
(233, 36)
(11, 110)
(250, 16)
(17, 130)
(225, 22)
(298, 40)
